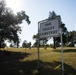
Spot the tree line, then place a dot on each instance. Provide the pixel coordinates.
(69, 40)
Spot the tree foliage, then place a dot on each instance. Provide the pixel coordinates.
(10, 23)
(26, 44)
(3, 45)
(53, 15)
(71, 38)
(43, 41)
(29, 45)
(64, 34)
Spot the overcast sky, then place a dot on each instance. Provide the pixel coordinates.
(38, 10)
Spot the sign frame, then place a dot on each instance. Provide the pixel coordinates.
(47, 29)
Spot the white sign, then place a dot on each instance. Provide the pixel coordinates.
(49, 28)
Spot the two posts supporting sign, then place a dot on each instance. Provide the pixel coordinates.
(50, 28)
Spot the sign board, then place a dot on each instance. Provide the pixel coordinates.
(49, 28)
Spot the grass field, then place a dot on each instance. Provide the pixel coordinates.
(19, 61)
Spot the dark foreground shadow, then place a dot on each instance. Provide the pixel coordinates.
(11, 56)
(11, 65)
(67, 50)
(54, 68)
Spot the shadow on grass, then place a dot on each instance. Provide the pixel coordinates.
(10, 56)
(10, 61)
(48, 68)
(66, 50)
(11, 65)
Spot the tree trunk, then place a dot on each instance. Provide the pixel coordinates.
(17, 44)
(54, 42)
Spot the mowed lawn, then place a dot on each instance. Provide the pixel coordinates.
(20, 61)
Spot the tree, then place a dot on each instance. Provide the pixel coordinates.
(29, 45)
(11, 45)
(43, 41)
(57, 44)
(53, 15)
(71, 38)
(24, 44)
(3, 44)
(35, 37)
(64, 34)
(10, 23)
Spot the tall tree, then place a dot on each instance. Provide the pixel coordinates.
(64, 34)
(53, 15)
(10, 23)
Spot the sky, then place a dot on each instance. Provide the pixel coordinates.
(38, 10)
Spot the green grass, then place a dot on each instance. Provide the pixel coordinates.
(20, 61)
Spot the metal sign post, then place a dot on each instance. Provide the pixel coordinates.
(38, 47)
(62, 54)
(50, 28)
